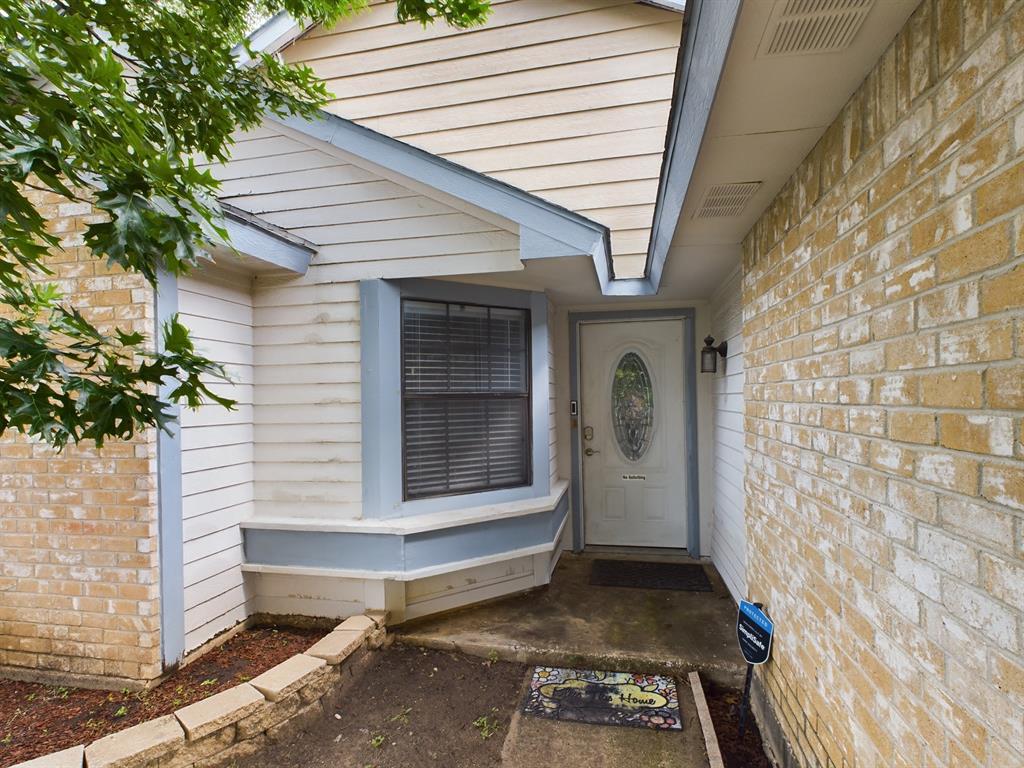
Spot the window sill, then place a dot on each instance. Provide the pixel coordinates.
(402, 526)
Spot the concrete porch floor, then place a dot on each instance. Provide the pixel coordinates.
(570, 623)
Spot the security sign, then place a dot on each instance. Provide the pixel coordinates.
(754, 632)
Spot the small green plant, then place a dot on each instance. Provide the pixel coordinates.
(492, 656)
(402, 717)
(209, 681)
(488, 725)
(377, 741)
(7, 739)
(32, 696)
(121, 711)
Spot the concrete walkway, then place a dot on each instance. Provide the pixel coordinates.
(570, 623)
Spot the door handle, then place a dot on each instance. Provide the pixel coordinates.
(590, 451)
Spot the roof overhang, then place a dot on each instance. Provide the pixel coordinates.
(709, 31)
(264, 246)
(546, 230)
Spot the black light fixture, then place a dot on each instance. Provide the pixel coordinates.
(708, 358)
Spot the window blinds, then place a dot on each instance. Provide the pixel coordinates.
(465, 398)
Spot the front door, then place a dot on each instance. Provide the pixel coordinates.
(634, 459)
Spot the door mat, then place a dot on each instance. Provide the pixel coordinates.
(604, 698)
(688, 577)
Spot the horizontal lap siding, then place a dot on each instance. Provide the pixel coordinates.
(364, 226)
(217, 455)
(307, 397)
(567, 99)
(306, 345)
(728, 538)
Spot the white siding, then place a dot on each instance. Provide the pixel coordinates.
(217, 454)
(308, 434)
(363, 224)
(306, 346)
(568, 99)
(728, 538)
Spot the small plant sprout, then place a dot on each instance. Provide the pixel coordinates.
(488, 725)
(121, 711)
(492, 656)
(378, 741)
(401, 717)
(209, 681)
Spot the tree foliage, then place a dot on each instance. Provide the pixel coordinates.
(108, 101)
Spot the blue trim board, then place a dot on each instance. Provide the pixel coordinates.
(709, 30)
(171, 538)
(381, 392)
(393, 553)
(548, 230)
(438, 173)
(261, 240)
(552, 230)
(690, 460)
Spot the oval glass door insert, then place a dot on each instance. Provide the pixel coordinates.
(632, 406)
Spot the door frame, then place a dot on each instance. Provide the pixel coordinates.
(689, 462)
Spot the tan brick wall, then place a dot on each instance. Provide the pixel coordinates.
(78, 547)
(884, 320)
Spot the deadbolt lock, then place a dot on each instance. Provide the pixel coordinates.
(588, 433)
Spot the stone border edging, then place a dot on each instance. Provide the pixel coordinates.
(706, 724)
(234, 723)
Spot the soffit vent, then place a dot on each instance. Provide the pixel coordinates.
(724, 200)
(813, 26)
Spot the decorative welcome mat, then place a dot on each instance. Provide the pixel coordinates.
(688, 577)
(604, 698)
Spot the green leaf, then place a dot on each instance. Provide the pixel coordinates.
(109, 103)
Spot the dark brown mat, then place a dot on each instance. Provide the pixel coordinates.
(686, 577)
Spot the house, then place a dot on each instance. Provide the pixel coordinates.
(463, 314)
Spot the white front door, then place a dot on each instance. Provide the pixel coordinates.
(631, 435)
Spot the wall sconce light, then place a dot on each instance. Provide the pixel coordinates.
(708, 358)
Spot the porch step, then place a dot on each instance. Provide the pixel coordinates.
(725, 673)
(573, 624)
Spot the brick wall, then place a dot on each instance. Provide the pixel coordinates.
(78, 555)
(883, 300)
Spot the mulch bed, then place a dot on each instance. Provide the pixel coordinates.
(411, 708)
(747, 752)
(38, 719)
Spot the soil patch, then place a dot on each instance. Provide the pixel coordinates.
(747, 752)
(411, 708)
(38, 719)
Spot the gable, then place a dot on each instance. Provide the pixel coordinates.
(362, 223)
(568, 100)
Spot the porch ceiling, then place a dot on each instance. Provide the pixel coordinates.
(768, 114)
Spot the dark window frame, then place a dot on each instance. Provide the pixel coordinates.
(527, 396)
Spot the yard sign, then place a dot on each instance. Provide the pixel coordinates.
(754, 631)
